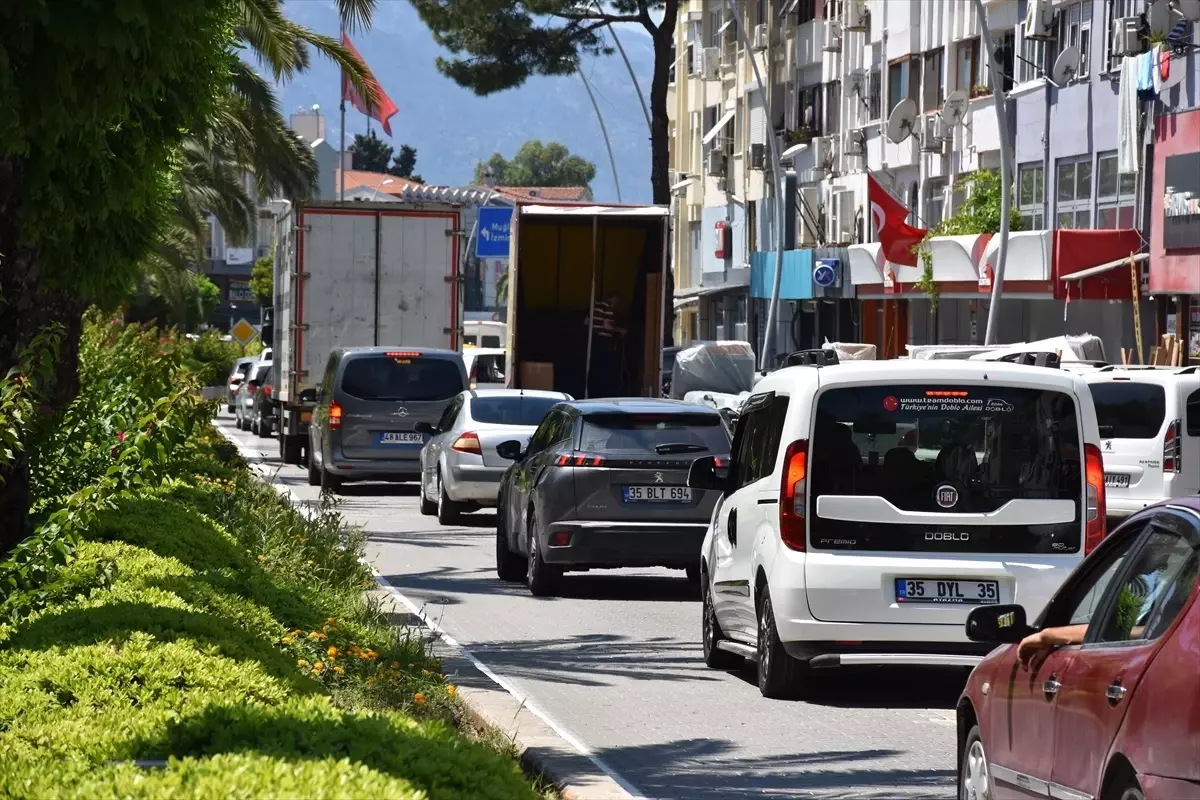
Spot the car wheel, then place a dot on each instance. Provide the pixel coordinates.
(314, 474)
(974, 783)
(1125, 788)
(448, 511)
(540, 577)
(264, 427)
(711, 634)
(779, 675)
(693, 574)
(330, 482)
(230, 408)
(428, 507)
(254, 425)
(509, 565)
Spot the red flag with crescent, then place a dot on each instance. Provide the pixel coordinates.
(891, 226)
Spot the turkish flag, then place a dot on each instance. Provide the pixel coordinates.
(895, 234)
(385, 109)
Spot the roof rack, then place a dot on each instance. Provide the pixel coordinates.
(1048, 360)
(1148, 367)
(811, 358)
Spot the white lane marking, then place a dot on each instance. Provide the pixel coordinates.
(508, 686)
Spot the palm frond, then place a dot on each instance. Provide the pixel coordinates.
(359, 74)
(271, 36)
(356, 15)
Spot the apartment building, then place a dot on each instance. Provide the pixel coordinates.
(834, 73)
(229, 262)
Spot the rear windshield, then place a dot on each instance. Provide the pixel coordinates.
(908, 443)
(654, 433)
(242, 368)
(1128, 410)
(411, 378)
(515, 410)
(488, 368)
(260, 372)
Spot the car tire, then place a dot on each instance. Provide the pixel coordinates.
(509, 565)
(330, 482)
(779, 675)
(254, 426)
(314, 474)
(448, 511)
(711, 633)
(230, 408)
(693, 574)
(974, 781)
(541, 578)
(428, 507)
(264, 427)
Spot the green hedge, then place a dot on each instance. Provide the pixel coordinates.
(208, 629)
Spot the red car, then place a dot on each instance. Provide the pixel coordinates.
(1101, 701)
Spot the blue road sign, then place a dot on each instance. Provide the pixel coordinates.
(825, 272)
(495, 226)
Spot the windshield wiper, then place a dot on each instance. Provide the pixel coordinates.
(679, 447)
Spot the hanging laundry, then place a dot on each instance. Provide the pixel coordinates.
(1162, 66)
(1145, 72)
(1127, 119)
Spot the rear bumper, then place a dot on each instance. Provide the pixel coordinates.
(382, 469)
(602, 544)
(1121, 507)
(473, 483)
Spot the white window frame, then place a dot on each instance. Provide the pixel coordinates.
(1035, 209)
(1034, 52)
(1075, 28)
(935, 200)
(1124, 197)
(1114, 10)
(1076, 205)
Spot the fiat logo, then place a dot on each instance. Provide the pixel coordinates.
(947, 496)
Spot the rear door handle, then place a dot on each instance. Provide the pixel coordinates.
(1115, 693)
(732, 527)
(1051, 686)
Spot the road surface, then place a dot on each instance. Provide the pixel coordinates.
(616, 662)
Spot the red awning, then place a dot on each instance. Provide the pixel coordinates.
(1078, 251)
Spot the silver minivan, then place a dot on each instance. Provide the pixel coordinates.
(368, 405)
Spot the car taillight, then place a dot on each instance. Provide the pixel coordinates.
(467, 443)
(335, 416)
(1096, 510)
(1172, 448)
(793, 495)
(267, 391)
(579, 460)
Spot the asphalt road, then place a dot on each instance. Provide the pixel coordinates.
(616, 663)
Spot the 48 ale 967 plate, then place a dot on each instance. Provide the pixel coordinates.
(950, 591)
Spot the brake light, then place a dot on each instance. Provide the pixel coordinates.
(474, 374)
(402, 354)
(793, 495)
(1094, 530)
(579, 460)
(1172, 448)
(467, 443)
(267, 390)
(335, 416)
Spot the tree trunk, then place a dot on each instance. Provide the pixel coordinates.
(660, 150)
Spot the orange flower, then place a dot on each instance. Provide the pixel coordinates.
(319, 666)
(302, 663)
(339, 670)
(419, 699)
(450, 690)
(332, 651)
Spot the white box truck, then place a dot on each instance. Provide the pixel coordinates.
(356, 274)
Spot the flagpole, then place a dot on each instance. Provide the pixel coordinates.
(342, 146)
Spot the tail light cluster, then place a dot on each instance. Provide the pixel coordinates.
(579, 460)
(1096, 510)
(468, 443)
(1172, 447)
(267, 390)
(335, 417)
(474, 376)
(793, 495)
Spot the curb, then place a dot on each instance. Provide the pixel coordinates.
(486, 699)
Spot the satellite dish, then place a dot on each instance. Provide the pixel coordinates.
(901, 120)
(1066, 66)
(1158, 18)
(1189, 8)
(954, 109)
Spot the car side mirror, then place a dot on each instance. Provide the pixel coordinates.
(1004, 624)
(510, 450)
(425, 428)
(705, 474)
(309, 396)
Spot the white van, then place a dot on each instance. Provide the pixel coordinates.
(485, 367)
(1149, 420)
(485, 333)
(869, 506)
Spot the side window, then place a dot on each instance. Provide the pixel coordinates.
(772, 435)
(450, 414)
(756, 442)
(1192, 414)
(741, 471)
(1087, 595)
(564, 429)
(544, 435)
(330, 371)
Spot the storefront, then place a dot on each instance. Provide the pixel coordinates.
(1174, 278)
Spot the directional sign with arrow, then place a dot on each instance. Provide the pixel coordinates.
(495, 226)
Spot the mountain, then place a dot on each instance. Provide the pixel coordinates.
(452, 128)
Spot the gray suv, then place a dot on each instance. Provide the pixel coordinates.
(368, 405)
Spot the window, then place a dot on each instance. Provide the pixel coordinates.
(547, 433)
(450, 414)
(388, 378)
(752, 225)
(1116, 195)
(1037, 59)
(688, 434)
(1093, 586)
(756, 442)
(1075, 30)
(1031, 196)
(511, 409)
(833, 108)
(1073, 192)
(1192, 422)
(968, 71)
(1006, 48)
(1155, 588)
(935, 200)
(674, 61)
(934, 87)
(873, 89)
(809, 108)
(806, 11)
(905, 442)
(904, 81)
(760, 12)
(1116, 9)
(1129, 410)
(714, 20)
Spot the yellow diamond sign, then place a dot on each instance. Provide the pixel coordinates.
(243, 332)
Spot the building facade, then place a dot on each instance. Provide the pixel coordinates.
(834, 73)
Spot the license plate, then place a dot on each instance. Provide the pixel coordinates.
(953, 591)
(1114, 481)
(401, 438)
(306, 416)
(658, 494)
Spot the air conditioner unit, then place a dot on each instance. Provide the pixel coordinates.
(761, 37)
(856, 143)
(716, 163)
(1127, 36)
(944, 130)
(1039, 19)
(758, 156)
(710, 63)
(833, 37)
(930, 142)
(858, 16)
(824, 152)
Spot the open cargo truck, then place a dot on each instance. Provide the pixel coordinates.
(353, 274)
(565, 257)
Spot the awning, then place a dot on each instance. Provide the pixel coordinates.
(1027, 269)
(1100, 269)
(685, 302)
(795, 282)
(721, 123)
(1088, 263)
(694, 292)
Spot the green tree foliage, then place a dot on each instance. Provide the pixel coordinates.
(404, 164)
(262, 279)
(979, 212)
(537, 164)
(372, 154)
